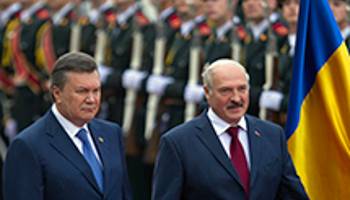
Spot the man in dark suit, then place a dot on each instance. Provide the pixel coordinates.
(49, 159)
(197, 160)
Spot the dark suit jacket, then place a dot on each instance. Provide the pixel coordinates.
(193, 165)
(43, 163)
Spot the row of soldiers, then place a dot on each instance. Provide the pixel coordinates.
(150, 70)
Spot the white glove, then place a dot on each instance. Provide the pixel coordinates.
(156, 84)
(132, 78)
(271, 99)
(194, 93)
(104, 71)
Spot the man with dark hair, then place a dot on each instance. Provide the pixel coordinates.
(68, 154)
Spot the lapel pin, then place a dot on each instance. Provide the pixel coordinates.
(100, 139)
(257, 133)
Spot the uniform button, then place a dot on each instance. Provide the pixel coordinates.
(119, 51)
(182, 63)
(259, 66)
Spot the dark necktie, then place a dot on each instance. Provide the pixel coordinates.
(91, 158)
(238, 158)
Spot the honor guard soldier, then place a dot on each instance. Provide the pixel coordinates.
(167, 24)
(156, 42)
(277, 99)
(9, 17)
(29, 102)
(120, 46)
(172, 83)
(101, 15)
(256, 43)
(342, 16)
(56, 33)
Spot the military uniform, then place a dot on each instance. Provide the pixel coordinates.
(219, 46)
(55, 35)
(90, 24)
(171, 24)
(255, 49)
(6, 69)
(120, 49)
(29, 103)
(177, 67)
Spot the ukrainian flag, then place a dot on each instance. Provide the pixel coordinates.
(318, 125)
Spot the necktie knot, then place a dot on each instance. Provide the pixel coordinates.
(82, 135)
(233, 131)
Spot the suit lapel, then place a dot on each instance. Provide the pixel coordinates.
(255, 146)
(99, 137)
(63, 144)
(209, 138)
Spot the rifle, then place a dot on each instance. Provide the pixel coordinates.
(101, 38)
(271, 67)
(74, 44)
(194, 67)
(235, 45)
(131, 94)
(153, 99)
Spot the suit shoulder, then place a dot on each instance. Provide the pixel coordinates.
(105, 123)
(183, 130)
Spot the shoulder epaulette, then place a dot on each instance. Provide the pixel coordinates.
(204, 29)
(280, 29)
(43, 14)
(71, 15)
(143, 21)
(110, 17)
(17, 15)
(174, 21)
(242, 34)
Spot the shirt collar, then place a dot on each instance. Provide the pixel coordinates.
(58, 16)
(6, 14)
(68, 126)
(345, 32)
(292, 38)
(223, 29)
(220, 126)
(28, 13)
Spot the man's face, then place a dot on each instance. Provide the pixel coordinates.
(181, 7)
(253, 10)
(79, 100)
(290, 11)
(217, 10)
(339, 10)
(230, 93)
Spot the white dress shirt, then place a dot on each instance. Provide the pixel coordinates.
(220, 127)
(72, 130)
